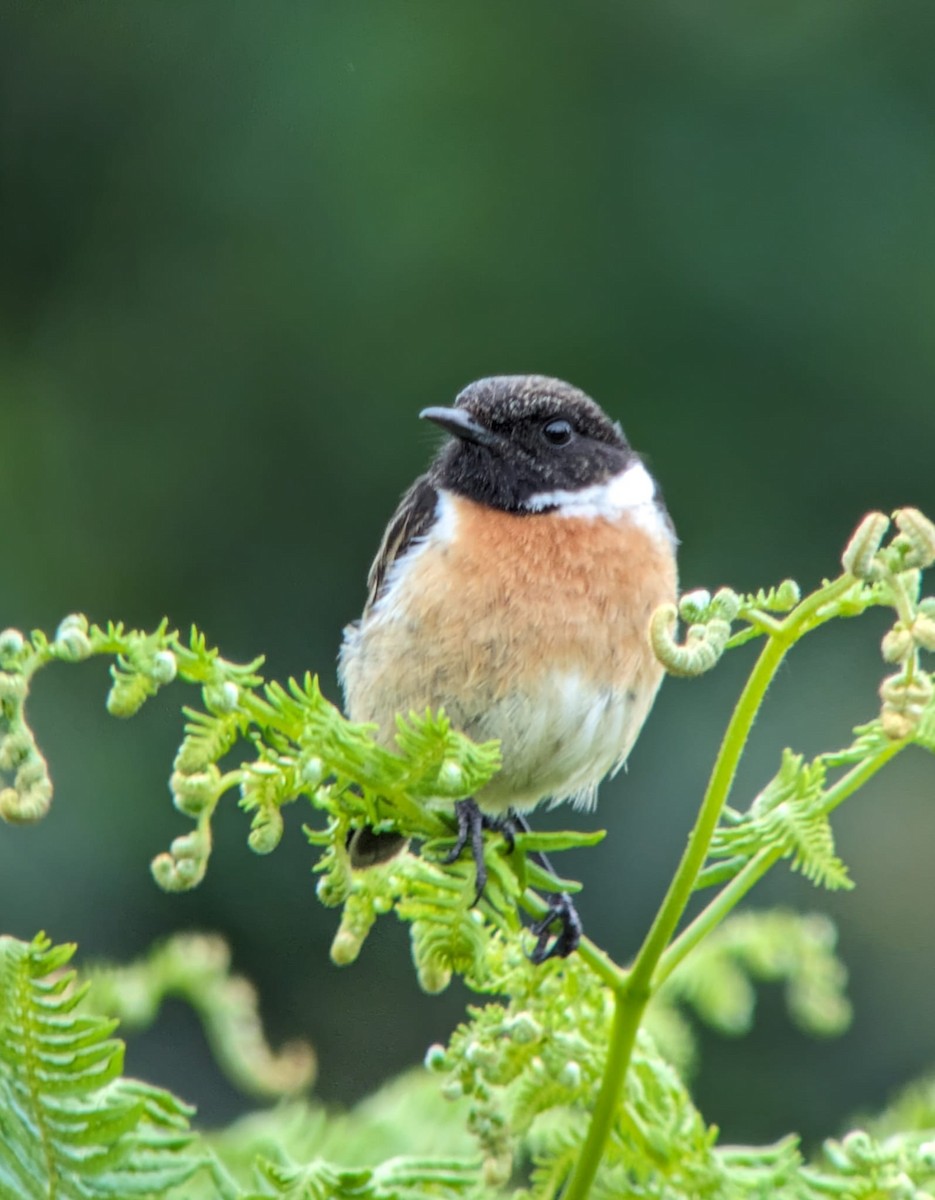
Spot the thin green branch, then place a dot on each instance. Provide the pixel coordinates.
(858, 775)
(742, 637)
(715, 912)
(726, 900)
(633, 993)
(722, 872)
(627, 1018)
(718, 790)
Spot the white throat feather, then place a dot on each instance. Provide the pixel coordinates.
(632, 491)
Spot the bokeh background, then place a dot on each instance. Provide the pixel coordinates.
(242, 245)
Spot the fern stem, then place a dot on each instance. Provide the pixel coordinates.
(719, 873)
(715, 912)
(726, 900)
(602, 964)
(635, 989)
(627, 1017)
(718, 790)
(811, 612)
(633, 993)
(857, 776)
(227, 1187)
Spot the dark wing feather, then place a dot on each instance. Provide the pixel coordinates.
(411, 520)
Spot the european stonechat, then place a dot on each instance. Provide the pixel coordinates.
(514, 588)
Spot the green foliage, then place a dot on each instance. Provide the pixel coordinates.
(403, 1119)
(195, 968)
(532, 1068)
(787, 815)
(520, 1076)
(717, 982)
(394, 1179)
(72, 1128)
(569, 1077)
(300, 746)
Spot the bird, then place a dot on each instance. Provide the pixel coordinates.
(513, 588)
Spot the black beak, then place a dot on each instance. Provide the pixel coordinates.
(460, 423)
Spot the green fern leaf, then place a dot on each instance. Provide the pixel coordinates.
(925, 730)
(197, 969)
(774, 946)
(779, 599)
(70, 1127)
(395, 1179)
(788, 815)
(869, 739)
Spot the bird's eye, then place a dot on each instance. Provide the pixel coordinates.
(557, 432)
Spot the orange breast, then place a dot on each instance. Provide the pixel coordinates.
(484, 613)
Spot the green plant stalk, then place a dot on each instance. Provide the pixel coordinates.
(804, 617)
(632, 994)
(718, 790)
(857, 776)
(754, 870)
(602, 964)
(722, 872)
(715, 912)
(227, 1187)
(627, 1017)
(728, 898)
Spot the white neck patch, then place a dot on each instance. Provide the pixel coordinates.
(633, 491)
(630, 489)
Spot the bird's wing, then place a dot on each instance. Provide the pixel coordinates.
(411, 520)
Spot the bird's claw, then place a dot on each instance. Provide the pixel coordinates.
(471, 825)
(568, 937)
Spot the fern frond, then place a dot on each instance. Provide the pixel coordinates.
(781, 598)
(71, 1127)
(404, 1118)
(196, 969)
(868, 740)
(788, 815)
(924, 734)
(863, 1167)
(207, 738)
(447, 932)
(775, 946)
(911, 1110)
(532, 1070)
(395, 1179)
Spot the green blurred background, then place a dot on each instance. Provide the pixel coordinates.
(242, 245)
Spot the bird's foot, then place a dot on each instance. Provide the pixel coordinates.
(471, 825)
(567, 937)
(551, 942)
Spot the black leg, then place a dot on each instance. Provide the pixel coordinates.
(561, 909)
(568, 935)
(471, 823)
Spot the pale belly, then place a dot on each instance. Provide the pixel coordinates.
(559, 735)
(560, 742)
(562, 674)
